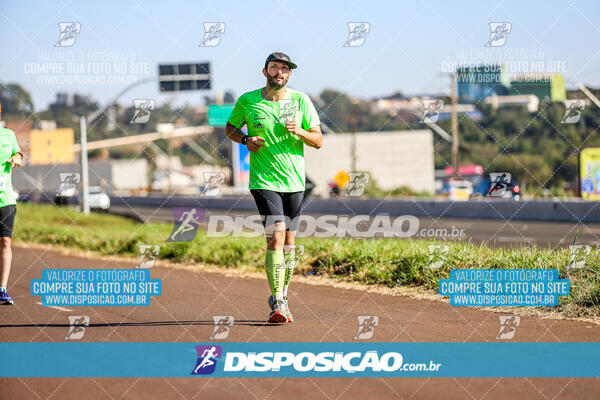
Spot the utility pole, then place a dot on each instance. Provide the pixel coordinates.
(454, 123)
(85, 183)
(170, 164)
(353, 143)
(166, 132)
(218, 131)
(589, 94)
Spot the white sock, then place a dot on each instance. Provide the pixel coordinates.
(2, 289)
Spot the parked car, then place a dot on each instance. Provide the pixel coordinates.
(459, 190)
(510, 191)
(66, 195)
(98, 198)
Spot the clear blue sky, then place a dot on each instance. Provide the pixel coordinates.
(404, 50)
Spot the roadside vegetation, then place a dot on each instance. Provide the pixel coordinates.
(387, 262)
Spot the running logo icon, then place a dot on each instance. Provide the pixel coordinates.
(508, 326)
(357, 183)
(499, 181)
(223, 323)
(431, 110)
(499, 32)
(298, 254)
(578, 254)
(148, 255)
(185, 224)
(69, 183)
(207, 359)
(573, 111)
(143, 108)
(212, 183)
(68, 33)
(437, 255)
(287, 110)
(77, 327)
(366, 326)
(212, 34)
(358, 33)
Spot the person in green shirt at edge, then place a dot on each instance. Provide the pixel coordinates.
(280, 121)
(10, 157)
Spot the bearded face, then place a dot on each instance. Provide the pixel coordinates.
(278, 74)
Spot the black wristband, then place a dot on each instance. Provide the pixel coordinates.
(244, 139)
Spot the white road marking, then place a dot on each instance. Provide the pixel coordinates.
(515, 239)
(56, 307)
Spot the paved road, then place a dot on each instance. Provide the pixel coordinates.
(495, 233)
(323, 313)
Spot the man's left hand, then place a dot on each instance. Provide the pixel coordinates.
(16, 160)
(292, 127)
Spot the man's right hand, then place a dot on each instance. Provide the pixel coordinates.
(254, 143)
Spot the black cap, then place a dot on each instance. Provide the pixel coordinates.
(279, 56)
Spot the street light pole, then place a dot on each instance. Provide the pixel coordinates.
(170, 165)
(353, 143)
(85, 182)
(454, 123)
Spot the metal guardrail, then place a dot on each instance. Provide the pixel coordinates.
(534, 210)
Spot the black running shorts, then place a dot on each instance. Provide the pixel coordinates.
(279, 207)
(7, 220)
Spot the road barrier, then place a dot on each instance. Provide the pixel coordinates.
(534, 210)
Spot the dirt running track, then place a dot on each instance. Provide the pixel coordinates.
(184, 314)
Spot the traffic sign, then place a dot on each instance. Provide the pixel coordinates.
(218, 114)
(179, 77)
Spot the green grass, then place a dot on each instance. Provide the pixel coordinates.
(388, 262)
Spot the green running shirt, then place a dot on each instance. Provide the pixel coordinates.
(279, 165)
(8, 147)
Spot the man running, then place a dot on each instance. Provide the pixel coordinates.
(207, 361)
(186, 220)
(10, 157)
(279, 122)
